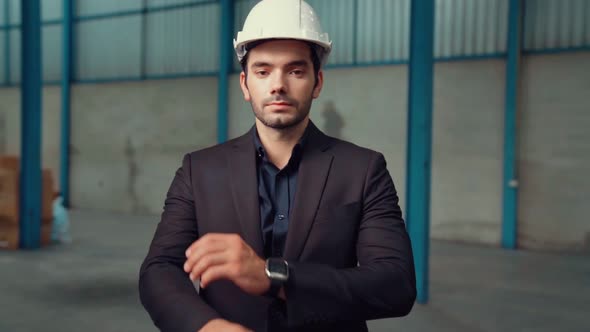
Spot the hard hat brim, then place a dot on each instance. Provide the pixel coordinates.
(242, 46)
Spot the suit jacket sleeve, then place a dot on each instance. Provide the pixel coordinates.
(165, 289)
(383, 284)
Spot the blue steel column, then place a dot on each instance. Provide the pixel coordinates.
(66, 99)
(30, 179)
(7, 41)
(225, 68)
(510, 184)
(420, 137)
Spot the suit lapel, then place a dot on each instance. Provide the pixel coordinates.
(244, 188)
(311, 180)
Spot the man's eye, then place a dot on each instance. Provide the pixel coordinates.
(297, 72)
(262, 73)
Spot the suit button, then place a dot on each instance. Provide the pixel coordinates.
(281, 216)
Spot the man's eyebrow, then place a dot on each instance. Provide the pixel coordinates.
(297, 63)
(259, 64)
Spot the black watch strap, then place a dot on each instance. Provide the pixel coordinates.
(275, 287)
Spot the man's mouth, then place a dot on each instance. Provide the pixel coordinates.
(279, 103)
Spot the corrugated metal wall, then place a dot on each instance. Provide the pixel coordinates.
(175, 41)
(51, 10)
(3, 41)
(183, 40)
(3, 79)
(52, 52)
(131, 39)
(108, 48)
(470, 27)
(551, 24)
(338, 20)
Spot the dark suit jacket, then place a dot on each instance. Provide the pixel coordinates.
(347, 247)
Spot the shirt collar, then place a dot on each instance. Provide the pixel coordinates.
(297, 149)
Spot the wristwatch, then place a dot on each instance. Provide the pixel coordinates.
(277, 270)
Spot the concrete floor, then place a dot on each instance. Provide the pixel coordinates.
(91, 285)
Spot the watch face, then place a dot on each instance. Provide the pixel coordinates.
(278, 269)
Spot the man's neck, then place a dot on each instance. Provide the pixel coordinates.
(279, 143)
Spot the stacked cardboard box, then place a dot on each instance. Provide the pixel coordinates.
(9, 204)
(9, 162)
(9, 227)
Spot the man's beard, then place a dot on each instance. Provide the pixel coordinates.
(280, 123)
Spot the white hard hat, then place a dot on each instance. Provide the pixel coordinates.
(282, 19)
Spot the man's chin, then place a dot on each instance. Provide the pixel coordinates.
(281, 123)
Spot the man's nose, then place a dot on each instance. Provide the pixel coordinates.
(278, 84)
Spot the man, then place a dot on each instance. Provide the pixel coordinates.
(284, 228)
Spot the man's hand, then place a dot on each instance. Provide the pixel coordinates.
(226, 256)
(216, 325)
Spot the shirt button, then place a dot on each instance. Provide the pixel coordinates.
(281, 216)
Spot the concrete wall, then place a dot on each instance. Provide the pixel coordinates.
(128, 139)
(467, 151)
(554, 127)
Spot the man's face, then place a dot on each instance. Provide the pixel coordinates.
(280, 84)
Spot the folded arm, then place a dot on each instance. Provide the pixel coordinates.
(165, 289)
(383, 285)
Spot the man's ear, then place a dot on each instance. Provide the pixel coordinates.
(318, 88)
(244, 86)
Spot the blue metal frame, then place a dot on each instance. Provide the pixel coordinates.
(147, 77)
(470, 57)
(510, 184)
(31, 103)
(66, 100)
(419, 143)
(556, 50)
(225, 68)
(51, 22)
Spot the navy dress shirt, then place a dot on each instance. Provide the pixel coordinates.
(276, 193)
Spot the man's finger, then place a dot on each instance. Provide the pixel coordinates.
(202, 250)
(208, 261)
(217, 272)
(209, 238)
(203, 240)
